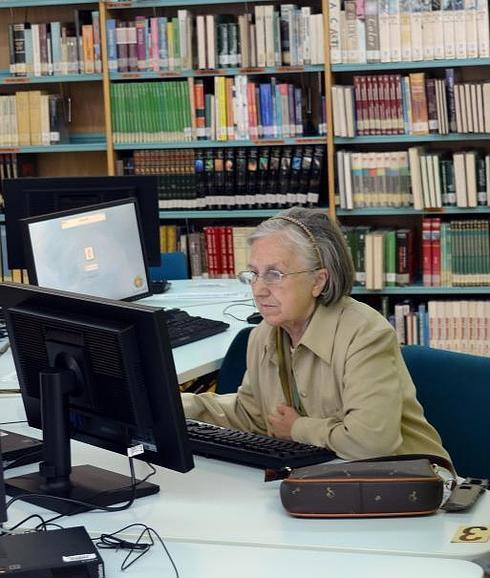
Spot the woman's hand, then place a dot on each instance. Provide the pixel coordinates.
(282, 421)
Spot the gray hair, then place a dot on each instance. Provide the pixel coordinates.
(324, 246)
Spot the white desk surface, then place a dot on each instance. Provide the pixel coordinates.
(225, 561)
(223, 503)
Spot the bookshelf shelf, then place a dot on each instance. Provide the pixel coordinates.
(414, 65)
(128, 76)
(31, 3)
(218, 143)
(77, 143)
(7, 79)
(410, 138)
(217, 214)
(165, 3)
(421, 290)
(390, 211)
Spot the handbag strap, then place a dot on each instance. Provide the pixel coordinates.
(438, 460)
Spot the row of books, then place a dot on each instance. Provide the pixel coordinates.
(382, 258)
(407, 30)
(222, 109)
(412, 178)
(461, 325)
(32, 118)
(289, 36)
(412, 104)
(56, 47)
(455, 254)
(462, 180)
(452, 254)
(243, 177)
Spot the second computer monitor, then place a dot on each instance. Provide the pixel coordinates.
(95, 251)
(29, 197)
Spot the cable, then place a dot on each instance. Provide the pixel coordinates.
(225, 310)
(111, 542)
(25, 459)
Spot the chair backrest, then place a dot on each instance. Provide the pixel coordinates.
(454, 390)
(234, 364)
(172, 266)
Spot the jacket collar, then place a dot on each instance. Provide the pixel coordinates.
(319, 336)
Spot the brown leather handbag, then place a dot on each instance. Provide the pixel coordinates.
(389, 486)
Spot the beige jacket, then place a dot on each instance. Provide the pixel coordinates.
(354, 386)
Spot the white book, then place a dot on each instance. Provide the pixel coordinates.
(482, 27)
(45, 130)
(486, 105)
(487, 177)
(306, 35)
(201, 42)
(36, 50)
(349, 199)
(427, 31)
(460, 179)
(416, 32)
(479, 107)
(341, 179)
(471, 29)
(437, 181)
(384, 31)
(431, 182)
(334, 31)
(425, 181)
(448, 29)
(349, 111)
(474, 107)
(211, 41)
(395, 31)
(470, 171)
(260, 35)
(468, 108)
(268, 15)
(460, 30)
(438, 33)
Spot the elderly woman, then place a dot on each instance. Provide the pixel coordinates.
(322, 368)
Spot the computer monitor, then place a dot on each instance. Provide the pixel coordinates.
(98, 371)
(29, 197)
(3, 511)
(92, 250)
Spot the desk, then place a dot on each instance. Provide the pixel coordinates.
(222, 503)
(219, 561)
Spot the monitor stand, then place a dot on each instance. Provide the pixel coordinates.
(56, 478)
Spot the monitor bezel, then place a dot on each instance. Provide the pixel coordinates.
(29, 250)
(166, 404)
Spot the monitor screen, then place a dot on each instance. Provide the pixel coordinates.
(98, 371)
(29, 197)
(3, 511)
(96, 251)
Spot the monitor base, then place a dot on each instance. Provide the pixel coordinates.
(88, 484)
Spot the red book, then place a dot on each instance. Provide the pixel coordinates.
(211, 251)
(426, 253)
(435, 251)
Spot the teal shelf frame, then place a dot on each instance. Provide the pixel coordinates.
(390, 211)
(421, 290)
(172, 74)
(7, 79)
(191, 214)
(412, 65)
(410, 138)
(78, 143)
(220, 143)
(167, 3)
(35, 3)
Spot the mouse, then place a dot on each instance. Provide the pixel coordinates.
(159, 286)
(255, 318)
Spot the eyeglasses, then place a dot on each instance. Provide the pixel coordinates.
(270, 277)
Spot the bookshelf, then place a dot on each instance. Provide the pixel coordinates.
(96, 145)
(399, 77)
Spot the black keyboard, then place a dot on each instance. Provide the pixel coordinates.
(250, 449)
(184, 328)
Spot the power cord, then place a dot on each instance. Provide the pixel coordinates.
(237, 304)
(112, 542)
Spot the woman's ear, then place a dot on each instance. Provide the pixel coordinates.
(320, 282)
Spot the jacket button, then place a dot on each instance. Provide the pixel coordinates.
(303, 394)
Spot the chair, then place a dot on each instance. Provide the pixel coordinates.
(234, 363)
(454, 390)
(172, 266)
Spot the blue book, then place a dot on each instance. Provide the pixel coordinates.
(111, 44)
(278, 108)
(55, 29)
(266, 110)
(162, 42)
(423, 320)
(28, 49)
